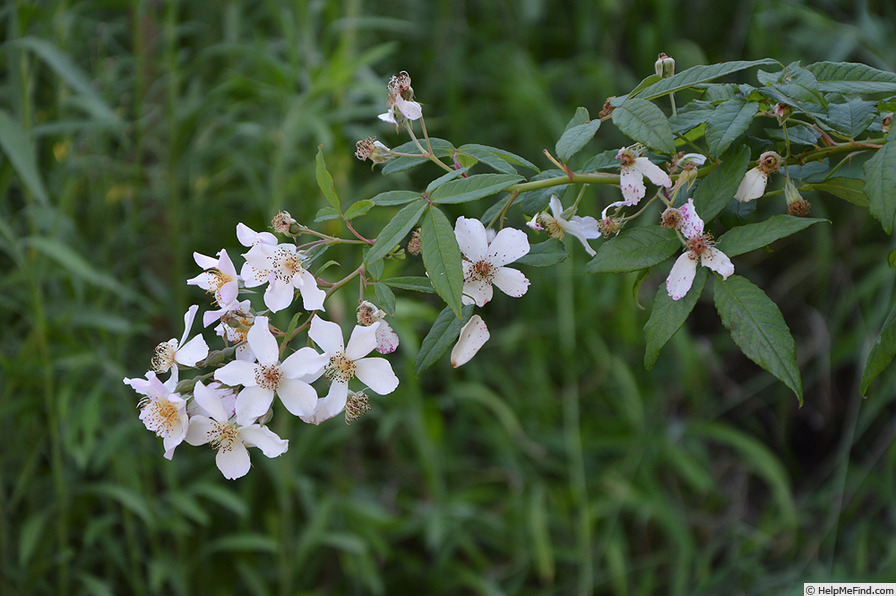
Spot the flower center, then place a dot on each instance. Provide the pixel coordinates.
(550, 225)
(268, 376)
(340, 368)
(482, 271)
(163, 357)
(286, 264)
(698, 245)
(223, 436)
(160, 416)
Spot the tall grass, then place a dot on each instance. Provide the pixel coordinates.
(134, 133)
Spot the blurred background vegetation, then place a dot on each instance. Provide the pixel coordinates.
(553, 463)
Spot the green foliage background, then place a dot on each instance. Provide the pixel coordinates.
(137, 132)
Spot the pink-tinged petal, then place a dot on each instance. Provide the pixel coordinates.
(192, 352)
(237, 372)
(205, 262)
(533, 223)
(479, 291)
(556, 206)
(471, 238)
(312, 296)
(327, 335)
(511, 282)
(509, 245)
(752, 186)
(278, 295)
(387, 117)
(410, 109)
(263, 438)
(653, 172)
(210, 401)
(386, 339)
(253, 402)
(631, 183)
(233, 460)
(377, 374)
(681, 277)
(691, 224)
(199, 431)
(361, 342)
(298, 397)
(262, 342)
(472, 337)
(204, 280)
(188, 322)
(305, 361)
(717, 261)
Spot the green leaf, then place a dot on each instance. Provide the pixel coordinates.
(472, 188)
(697, 75)
(445, 178)
(413, 283)
(395, 197)
(743, 239)
(880, 185)
(851, 118)
(397, 228)
(325, 181)
(385, 296)
(325, 213)
(482, 155)
(758, 328)
(730, 120)
(18, 149)
(848, 189)
(442, 258)
(544, 254)
(691, 115)
(573, 139)
(634, 249)
(358, 208)
(718, 187)
(667, 316)
(646, 124)
(851, 78)
(580, 117)
(441, 336)
(506, 156)
(882, 352)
